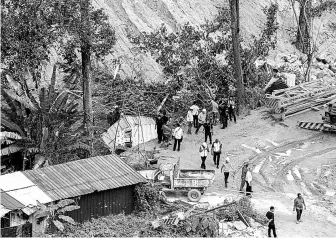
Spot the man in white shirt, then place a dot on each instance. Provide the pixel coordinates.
(195, 110)
(227, 168)
(216, 151)
(178, 136)
(248, 180)
(201, 120)
(190, 120)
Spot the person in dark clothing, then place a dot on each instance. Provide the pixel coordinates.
(232, 113)
(208, 130)
(271, 224)
(299, 203)
(159, 130)
(164, 118)
(110, 118)
(223, 114)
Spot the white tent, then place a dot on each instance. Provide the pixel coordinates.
(130, 130)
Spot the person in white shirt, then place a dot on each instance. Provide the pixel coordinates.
(248, 180)
(178, 136)
(216, 151)
(204, 149)
(201, 120)
(227, 167)
(190, 120)
(195, 110)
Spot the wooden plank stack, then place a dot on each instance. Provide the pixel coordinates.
(303, 97)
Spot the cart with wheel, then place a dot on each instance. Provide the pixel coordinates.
(192, 180)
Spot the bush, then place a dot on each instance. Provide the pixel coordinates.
(146, 197)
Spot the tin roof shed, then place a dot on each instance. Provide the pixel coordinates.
(21, 190)
(84, 176)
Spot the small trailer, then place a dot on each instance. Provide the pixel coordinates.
(192, 180)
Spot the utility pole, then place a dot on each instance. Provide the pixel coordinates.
(234, 7)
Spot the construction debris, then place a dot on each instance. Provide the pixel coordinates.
(303, 97)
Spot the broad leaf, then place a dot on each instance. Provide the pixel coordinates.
(9, 135)
(65, 202)
(24, 100)
(10, 149)
(58, 224)
(68, 208)
(67, 219)
(10, 125)
(41, 213)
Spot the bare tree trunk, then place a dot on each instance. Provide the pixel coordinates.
(234, 7)
(303, 36)
(86, 68)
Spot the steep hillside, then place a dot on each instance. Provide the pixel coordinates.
(136, 16)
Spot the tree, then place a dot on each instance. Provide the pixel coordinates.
(234, 7)
(303, 34)
(27, 33)
(41, 123)
(88, 34)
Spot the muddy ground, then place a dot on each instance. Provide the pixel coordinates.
(285, 160)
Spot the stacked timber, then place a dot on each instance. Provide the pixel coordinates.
(302, 98)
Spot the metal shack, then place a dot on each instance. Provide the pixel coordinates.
(101, 186)
(130, 131)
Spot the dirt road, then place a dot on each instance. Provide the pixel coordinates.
(286, 160)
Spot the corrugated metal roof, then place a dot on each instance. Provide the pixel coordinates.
(84, 176)
(136, 120)
(9, 202)
(18, 186)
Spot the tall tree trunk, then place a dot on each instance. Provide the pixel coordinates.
(303, 36)
(234, 7)
(86, 67)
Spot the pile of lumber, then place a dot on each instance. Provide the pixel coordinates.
(302, 98)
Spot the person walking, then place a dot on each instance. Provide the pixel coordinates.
(299, 203)
(190, 120)
(227, 168)
(158, 125)
(248, 180)
(232, 113)
(208, 129)
(216, 150)
(271, 224)
(223, 114)
(204, 149)
(201, 120)
(195, 111)
(243, 176)
(178, 137)
(214, 112)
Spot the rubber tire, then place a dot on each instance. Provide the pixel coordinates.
(194, 195)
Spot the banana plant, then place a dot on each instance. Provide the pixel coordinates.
(43, 122)
(55, 213)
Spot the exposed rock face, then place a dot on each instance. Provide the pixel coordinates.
(135, 16)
